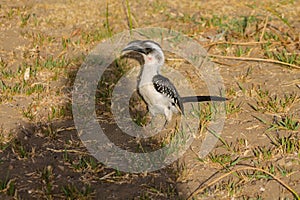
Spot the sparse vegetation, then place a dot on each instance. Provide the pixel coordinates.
(273, 103)
(7, 186)
(74, 192)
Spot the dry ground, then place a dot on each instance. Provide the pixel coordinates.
(255, 44)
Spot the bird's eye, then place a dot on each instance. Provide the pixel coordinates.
(148, 50)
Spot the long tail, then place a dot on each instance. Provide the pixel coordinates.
(202, 98)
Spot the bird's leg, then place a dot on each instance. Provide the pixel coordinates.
(166, 123)
(168, 116)
(172, 124)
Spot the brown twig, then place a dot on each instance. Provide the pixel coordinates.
(255, 59)
(264, 29)
(200, 189)
(107, 175)
(240, 43)
(65, 150)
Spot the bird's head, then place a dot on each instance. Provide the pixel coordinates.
(150, 50)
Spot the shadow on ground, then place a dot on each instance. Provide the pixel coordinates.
(49, 161)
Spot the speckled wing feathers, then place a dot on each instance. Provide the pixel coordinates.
(164, 86)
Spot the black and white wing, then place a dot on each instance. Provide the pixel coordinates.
(164, 86)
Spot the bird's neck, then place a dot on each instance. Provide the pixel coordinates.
(148, 71)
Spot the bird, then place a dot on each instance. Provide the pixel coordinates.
(159, 93)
